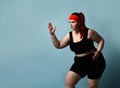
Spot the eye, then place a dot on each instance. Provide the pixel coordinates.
(72, 21)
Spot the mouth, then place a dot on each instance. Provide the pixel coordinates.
(71, 27)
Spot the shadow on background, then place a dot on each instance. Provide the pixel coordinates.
(111, 76)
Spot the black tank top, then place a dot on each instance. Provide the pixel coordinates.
(83, 46)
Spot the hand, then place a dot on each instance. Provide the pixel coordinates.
(96, 55)
(51, 28)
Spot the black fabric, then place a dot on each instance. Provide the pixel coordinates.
(86, 66)
(85, 45)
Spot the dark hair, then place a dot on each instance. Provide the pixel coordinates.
(82, 23)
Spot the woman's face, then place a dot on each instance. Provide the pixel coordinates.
(74, 24)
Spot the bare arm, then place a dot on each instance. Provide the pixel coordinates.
(99, 40)
(58, 43)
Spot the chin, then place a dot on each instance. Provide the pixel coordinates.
(73, 29)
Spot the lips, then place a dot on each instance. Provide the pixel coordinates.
(71, 26)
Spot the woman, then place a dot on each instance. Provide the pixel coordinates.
(88, 60)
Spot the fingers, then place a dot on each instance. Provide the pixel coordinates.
(50, 25)
(95, 56)
(51, 28)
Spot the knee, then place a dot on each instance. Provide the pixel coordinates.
(92, 85)
(69, 83)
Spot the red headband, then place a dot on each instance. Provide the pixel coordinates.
(74, 17)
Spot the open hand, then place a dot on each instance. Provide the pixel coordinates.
(96, 55)
(51, 28)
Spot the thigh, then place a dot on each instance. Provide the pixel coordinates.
(96, 68)
(72, 78)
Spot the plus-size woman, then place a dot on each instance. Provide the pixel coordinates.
(89, 60)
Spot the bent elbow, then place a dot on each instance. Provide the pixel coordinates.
(57, 47)
(103, 41)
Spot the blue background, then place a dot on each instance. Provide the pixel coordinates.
(27, 57)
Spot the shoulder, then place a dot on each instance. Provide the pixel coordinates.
(91, 33)
(69, 33)
(67, 36)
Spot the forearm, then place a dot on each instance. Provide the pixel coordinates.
(100, 45)
(55, 41)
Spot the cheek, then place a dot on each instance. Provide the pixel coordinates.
(75, 25)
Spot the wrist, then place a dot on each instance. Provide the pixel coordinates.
(52, 33)
(98, 51)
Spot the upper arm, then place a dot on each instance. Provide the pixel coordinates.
(64, 41)
(94, 36)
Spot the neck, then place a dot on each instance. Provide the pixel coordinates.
(77, 31)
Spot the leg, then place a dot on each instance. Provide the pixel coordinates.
(93, 83)
(71, 79)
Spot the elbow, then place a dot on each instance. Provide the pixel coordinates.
(103, 41)
(57, 46)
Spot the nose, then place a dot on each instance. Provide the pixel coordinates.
(70, 25)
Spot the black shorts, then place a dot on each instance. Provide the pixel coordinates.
(86, 66)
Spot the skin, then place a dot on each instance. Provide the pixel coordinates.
(72, 78)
